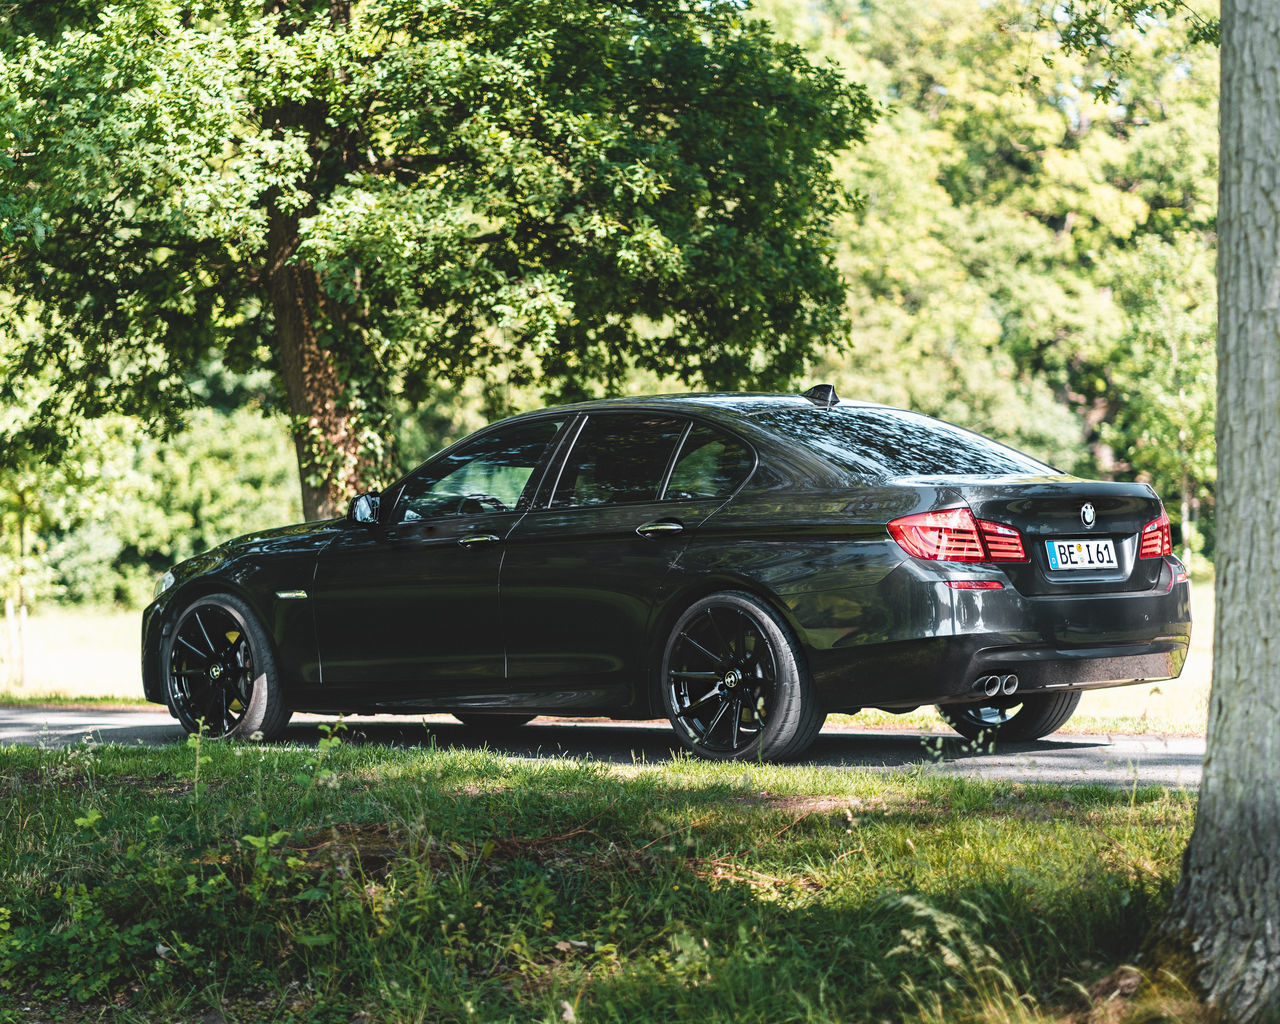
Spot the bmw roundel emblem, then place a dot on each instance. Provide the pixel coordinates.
(1088, 514)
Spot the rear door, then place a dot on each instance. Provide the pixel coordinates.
(586, 567)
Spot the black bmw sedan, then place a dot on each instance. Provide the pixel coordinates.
(742, 564)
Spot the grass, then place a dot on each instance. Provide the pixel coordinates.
(73, 653)
(360, 883)
(91, 656)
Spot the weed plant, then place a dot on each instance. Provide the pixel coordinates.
(251, 882)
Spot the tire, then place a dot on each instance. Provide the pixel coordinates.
(492, 722)
(1020, 721)
(219, 671)
(733, 684)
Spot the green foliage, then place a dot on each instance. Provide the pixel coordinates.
(121, 507)
(1104, 31)
(1163, 370)
(555, 203)
(1004, 265)
(441, 191)
(448, 885)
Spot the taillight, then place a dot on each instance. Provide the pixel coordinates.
(1003, 542)
(954, 535)
(1156, 538)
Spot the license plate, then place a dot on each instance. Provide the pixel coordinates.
(1081, 554)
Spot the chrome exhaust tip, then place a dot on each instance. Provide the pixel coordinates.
(987, 685)
(1008, 684)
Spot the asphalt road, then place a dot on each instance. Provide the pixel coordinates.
(1106, 760)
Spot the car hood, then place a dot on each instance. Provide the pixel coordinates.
(295, 539)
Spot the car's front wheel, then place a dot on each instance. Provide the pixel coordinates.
(733, 684)
(1023, 720)
(220, 673)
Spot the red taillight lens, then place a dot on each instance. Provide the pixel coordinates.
(975, 584)
(954, 535)
(1003, 542)
(1156, 538)
(947, 536)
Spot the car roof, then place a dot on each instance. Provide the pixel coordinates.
(731, 405)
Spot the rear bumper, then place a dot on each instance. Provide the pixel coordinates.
(1072, 642)
(945, 671)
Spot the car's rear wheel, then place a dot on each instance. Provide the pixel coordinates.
(220, 672)
(495, 722)
(733, 685)
(1034, 716)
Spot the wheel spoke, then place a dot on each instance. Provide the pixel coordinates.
(693, 676)
(234, 639)
(753, 645)
(203, 655)
(724, 644)
(206, 702)
(702, 702)
(737, 722)
(714, 657)
(233, 687)
(715, 720)
(213, 651)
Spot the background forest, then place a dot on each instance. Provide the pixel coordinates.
(1032, 257)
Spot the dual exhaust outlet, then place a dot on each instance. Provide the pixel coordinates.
(994, 686)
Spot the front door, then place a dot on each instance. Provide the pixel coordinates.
(407, 609)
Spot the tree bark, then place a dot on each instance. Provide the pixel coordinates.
(1223, 927)
(331, 461)
(329, 457)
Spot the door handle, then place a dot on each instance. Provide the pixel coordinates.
(661, 528)
(474, 539)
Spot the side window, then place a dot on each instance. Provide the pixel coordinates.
(617, 458)
(488, 474)
(711, 465)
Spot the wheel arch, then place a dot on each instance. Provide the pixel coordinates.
(181, 597)
(680, 600)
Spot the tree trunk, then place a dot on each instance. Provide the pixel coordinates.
(332, 461)
(1223, 928)
(329, 456)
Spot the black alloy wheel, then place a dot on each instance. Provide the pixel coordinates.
(219, 672)
(732, 683)
(1018, 720)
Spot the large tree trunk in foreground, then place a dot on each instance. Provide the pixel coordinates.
(1223, 929)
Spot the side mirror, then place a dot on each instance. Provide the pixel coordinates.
(364, 508)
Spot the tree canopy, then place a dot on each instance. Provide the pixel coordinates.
(371, 198)
(1024, 258)
(1028, 252)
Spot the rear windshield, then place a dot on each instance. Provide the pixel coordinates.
(889, 443)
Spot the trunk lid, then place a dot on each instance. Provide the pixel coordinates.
(1080, 536)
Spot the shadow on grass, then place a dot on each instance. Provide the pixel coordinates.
(370, 880)
(1116, 761)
